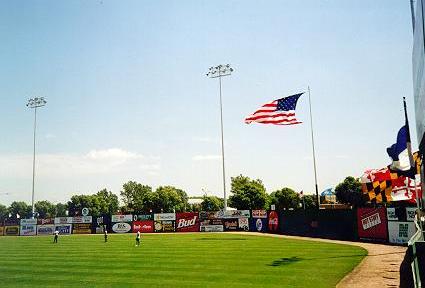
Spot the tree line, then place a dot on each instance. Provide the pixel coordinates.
(137, 198)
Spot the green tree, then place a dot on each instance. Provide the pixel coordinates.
(20, 208)
(61, 210)
(45, 209)
(169, 199)
(350, 192)
(108, 202)
(247, 193)
(3, 213)
(285, 198)
(137, 198)
(78, 202)
(212, 203)
(310, 201)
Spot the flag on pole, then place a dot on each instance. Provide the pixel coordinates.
(399, 152)
(277, 112)
(387, 185)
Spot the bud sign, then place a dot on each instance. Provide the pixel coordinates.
(187, 222)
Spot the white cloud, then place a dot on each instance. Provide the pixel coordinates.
(206, 157)
(95, 162)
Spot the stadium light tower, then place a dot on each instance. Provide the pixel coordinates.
(34, 103)
(218, 72)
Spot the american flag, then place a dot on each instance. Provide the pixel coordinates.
(278, 112)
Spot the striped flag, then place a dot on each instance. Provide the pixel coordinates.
(278, 112)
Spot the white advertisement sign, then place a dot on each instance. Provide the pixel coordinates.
(391, 216)
(28, 230)
(244, 224)
(410, 213)
(82, 219)
(122, 218)
(45, 229)
(64, 228)
(371, 221)
(236, 214)
(164, 217)
(63, 220)
(28, 222)
(212, 228)
(121, 228)
(259, 225)
(400, 232)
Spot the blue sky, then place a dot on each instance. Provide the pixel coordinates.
(128, 98)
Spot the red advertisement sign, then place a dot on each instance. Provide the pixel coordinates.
(187, 222)
(273, 221)
(45, 221)
(372, 223)
(144, 226)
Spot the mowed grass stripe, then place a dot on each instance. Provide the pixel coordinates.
(173, 260)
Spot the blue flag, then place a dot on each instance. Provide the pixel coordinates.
(399, 152)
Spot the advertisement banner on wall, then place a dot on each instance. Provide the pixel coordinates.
(28, 230)
(143, 226)
(211, 225)
(187, 222)
(28, 222)
(391, 215)
(230, 214)
(204, 215)
(11, 230)
(259, 214)
(121, 227)
(1, 230)
(243, 224)
(122, 218)
(11, 222)
(410, 213)
(372, 223)
(82, 219)
(164, 217)
(99, 229)
(142, 217)
(400, 232)
(211, 228)
(45, 221)
(63, 220)
(273, 223)
(81, 228)
(48, 229)
(258, 224)
(164, 226)
(231, 224)
(64, 229)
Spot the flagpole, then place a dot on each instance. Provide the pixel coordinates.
(314, 153)
(412, 163)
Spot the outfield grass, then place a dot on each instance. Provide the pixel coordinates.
(173, 260)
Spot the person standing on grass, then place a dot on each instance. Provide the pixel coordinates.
(55, 240)
(105, 233)
(138, 238)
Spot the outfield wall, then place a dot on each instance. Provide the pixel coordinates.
(385, 225)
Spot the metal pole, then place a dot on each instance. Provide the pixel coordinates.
(218, 72)
(412, 11)
(222, 145)
(417, 202)
(34, 103)
(33, 164)
(314, 153)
